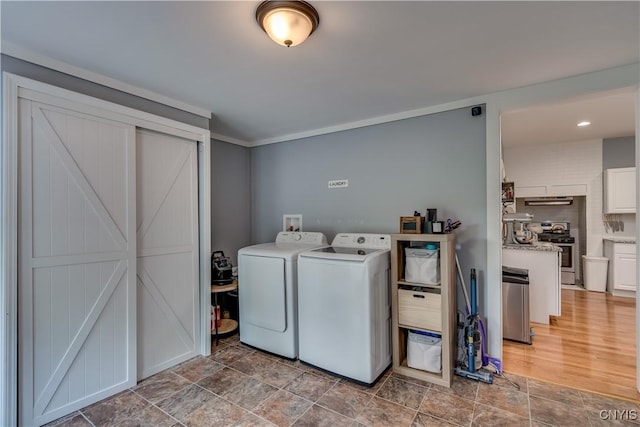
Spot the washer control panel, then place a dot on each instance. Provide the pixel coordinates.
(359, 240)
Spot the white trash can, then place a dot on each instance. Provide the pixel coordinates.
(595, 273)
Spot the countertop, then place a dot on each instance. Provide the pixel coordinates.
(621, 239)
(539, 247)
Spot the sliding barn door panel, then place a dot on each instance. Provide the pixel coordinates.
(77, 260)
(168, 255)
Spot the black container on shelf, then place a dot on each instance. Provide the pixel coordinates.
(221, 269)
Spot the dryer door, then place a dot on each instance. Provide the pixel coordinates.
(262, 283)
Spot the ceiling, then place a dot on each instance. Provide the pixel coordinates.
(366, 61)
(611, 115)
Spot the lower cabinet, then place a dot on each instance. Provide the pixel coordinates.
(545, 293)
(622, 267)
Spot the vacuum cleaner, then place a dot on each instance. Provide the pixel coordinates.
(484, 358)
(472, 339)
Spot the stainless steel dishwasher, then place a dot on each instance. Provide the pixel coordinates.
(515, 305)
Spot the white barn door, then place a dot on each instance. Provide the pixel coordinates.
(168, 257)
(77, 246)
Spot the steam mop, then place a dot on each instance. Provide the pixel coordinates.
(472, 339)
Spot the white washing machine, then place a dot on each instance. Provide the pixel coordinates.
(267, 292)
(344, 308)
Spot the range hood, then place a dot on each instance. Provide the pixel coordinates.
(548, 201)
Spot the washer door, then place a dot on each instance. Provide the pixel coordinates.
(262, 283)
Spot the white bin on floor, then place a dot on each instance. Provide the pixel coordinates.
(595, 273)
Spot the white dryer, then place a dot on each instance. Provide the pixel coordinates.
(344, 307)
(267, 292)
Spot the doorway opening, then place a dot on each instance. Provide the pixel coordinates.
(549, 157)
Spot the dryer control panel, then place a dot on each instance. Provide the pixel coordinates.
(304, 237)
(359, 240)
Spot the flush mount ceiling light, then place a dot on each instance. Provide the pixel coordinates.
(583, 124)
(288, 23)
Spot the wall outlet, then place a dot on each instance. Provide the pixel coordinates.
(339, 183)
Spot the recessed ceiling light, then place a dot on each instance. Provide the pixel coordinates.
(585, 123)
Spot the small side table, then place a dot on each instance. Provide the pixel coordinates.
(226, 325)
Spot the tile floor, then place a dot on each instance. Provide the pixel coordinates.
(239, 386)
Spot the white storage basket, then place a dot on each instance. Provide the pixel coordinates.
(422, 266)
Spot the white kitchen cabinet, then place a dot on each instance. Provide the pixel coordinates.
(530, 190)
(622, 267)
(568, 189)
(620, 190)
(550, 190)
(544, 279)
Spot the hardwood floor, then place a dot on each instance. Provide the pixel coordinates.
(591, 347)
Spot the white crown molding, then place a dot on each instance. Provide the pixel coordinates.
(231, 140)
(375, 120)
(16, 51)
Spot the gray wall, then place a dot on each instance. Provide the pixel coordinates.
(436, 161)
(230, 198)
(619, 152)
(65, 81)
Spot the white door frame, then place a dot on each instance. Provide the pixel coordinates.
(13, 86)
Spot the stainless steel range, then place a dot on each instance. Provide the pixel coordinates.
(559, 233)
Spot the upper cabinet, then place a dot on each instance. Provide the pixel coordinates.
(564, 169)
(550, 190)
(620, 190)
